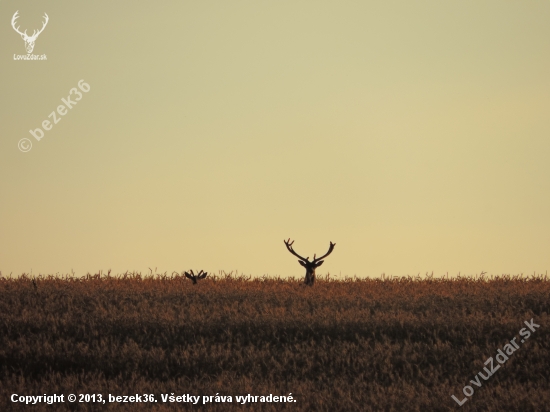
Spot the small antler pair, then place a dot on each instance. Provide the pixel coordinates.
(195, 278)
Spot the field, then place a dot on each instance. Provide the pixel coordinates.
(401, 344)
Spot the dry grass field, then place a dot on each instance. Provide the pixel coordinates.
(399, 344)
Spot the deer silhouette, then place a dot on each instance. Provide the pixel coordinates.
(310, 266)
(197, 277)
(29, 40)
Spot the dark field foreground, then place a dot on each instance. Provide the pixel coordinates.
(355, 345)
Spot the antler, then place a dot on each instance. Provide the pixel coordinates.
(190, 276)
(15, 17)
(289, 244)
(330, 249)
(195, 278)
(35, 34)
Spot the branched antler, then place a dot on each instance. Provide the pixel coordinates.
(330, 249)
(15, 17)
(289, 244)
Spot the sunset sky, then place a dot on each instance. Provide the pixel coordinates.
(413, 134)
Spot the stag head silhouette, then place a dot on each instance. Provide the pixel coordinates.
(29, 40)
(310, 266)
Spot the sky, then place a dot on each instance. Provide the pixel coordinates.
(413, 134)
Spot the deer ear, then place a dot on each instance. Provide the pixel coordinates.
(203, 275)
(188, 276)
(302, 263)
(319, 263)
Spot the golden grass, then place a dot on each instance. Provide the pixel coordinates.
(400, 344)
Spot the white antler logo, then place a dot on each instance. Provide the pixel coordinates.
(29, 40)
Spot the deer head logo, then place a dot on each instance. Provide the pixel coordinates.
(29, 40)
(310, 266)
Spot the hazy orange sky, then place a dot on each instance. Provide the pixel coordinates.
(413, 134)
